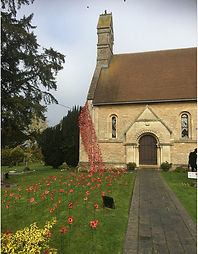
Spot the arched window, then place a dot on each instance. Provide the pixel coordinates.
(114, 126)
(184, 126)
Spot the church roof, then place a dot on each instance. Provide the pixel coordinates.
(168, 75)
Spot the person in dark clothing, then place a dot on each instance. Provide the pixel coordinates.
(192, 162)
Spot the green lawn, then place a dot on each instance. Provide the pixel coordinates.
(33, 166)
(181, 186)
(71, 187)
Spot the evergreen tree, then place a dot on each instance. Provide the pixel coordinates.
(61, 143)
(70, 137)
(28, 74)
(50, 142)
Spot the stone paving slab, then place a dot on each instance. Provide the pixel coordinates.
(158, 222)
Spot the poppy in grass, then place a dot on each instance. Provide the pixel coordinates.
(11, 194)
(17, 197)
(87, 192)
(49, 234)
(86, 198)
(51, 210)
(93, 223)
(70, 206)
(96, 206)
(32, 200)
(70, 220)
(59, 201)
(8, 205)
(63, 230)
(102, 193)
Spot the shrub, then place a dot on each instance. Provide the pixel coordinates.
(27, 240)
(5, 157)
(64, 166)
(131, 166)
(165, 166)
(16, 155)
(180, 170)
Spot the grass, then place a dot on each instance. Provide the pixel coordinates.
(33, 166)
(181, 186)
(109, 235)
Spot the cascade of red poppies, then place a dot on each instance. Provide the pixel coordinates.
(89, 140)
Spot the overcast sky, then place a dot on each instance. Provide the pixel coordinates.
(69, 26)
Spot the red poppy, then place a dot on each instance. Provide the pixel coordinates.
(70, 220)
(63, 230)
(70, 206)
(8, 232)
(8, 205)
(96, 206)
(48, 234)
(102, 193)
(32, 200)
(51, 210)
(3, 202)
(71, 190)
(11, 194)
(87, 192)
(46, 192)
(59, 201)
(19, 189)
(93, 223)
(86, 198)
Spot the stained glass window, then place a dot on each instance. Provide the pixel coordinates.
(184, 125)
(113, 127)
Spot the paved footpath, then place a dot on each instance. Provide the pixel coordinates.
(158, 223)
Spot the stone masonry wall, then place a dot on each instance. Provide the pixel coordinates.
(173, 147)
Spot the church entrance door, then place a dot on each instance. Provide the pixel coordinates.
(148, 150)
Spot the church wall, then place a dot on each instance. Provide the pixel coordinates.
(124, 149)
(180, 152)
(172, 148)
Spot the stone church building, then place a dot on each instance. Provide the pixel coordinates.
(143, 105)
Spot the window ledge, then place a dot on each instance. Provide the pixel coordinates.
(112, 140)
(185, 140)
